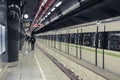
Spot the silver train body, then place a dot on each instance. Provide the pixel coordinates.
(97, 43)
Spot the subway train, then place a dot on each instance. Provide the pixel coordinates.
(97, 43)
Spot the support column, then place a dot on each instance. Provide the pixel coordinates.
(13, 32)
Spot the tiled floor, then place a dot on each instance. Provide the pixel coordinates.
(34, 65)
(27, 69)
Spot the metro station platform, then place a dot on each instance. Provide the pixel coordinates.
(34, 65)
(46, 63)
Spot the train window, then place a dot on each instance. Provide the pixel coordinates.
(72, 38)
(67, 38)
(88, 39)
(76, 38)
(58, 37)
(100, 40)
(63, 37)
(50, 37)
(80, 40)
(54, 37)
(114, 41)
(2, 39)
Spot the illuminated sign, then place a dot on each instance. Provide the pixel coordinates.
(27, 24)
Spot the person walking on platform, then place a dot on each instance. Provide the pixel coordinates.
(32, 43)
(28, 39)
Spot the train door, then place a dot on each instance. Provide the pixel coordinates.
(88, 51)
(72, 47)
(112, 55)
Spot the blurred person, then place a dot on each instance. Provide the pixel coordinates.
(32, 43)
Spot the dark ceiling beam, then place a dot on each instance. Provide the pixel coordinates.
(23, 4)
(17, 2)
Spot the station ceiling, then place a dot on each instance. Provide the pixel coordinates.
(88, 11)
(101, 10)
(31, 7)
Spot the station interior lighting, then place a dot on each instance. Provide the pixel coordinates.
(52, 9)
(49, 13)
(26, 16)
(16, 6)
(43, 18)
(12, 5)
(46, 16)
(58, 4)
(83, 0)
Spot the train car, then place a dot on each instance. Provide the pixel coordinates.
(97, 43)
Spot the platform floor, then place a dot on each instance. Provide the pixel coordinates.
(84, 70)
(34, 65)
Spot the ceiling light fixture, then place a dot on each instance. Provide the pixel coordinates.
(49, 13)
(83, 0)
(58, 4)
(52, 9)
(46, 16)
(16, 6)
(12, 5)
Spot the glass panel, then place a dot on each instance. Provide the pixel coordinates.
(114, 41)
(2, 39)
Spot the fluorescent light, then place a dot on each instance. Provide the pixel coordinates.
(43, 18)
(12, 5)
(16, 6)
(46, 16)
(53, 9)
(49, 13)
(83, 0)
(58, 4)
